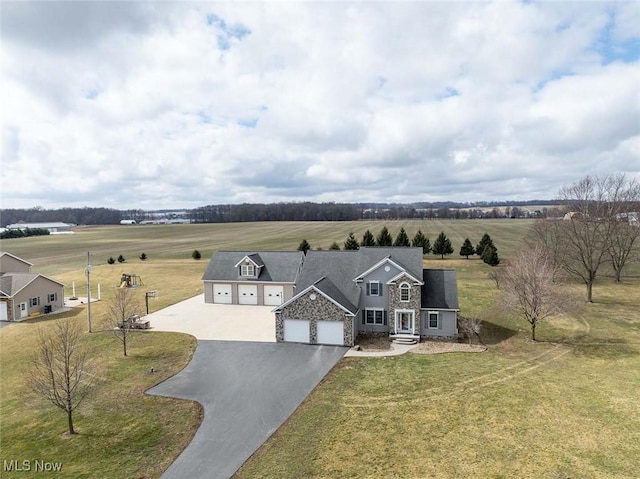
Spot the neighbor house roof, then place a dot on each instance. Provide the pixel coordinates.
(12, 283)
(440, 290)
(4, 253)
(277, 266)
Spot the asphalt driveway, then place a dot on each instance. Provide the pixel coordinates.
(247, 389)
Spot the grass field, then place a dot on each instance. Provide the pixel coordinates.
(563, 407)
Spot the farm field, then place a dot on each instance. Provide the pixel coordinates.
(562, 407)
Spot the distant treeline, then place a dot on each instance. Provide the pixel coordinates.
(308, 211)
(302, 211)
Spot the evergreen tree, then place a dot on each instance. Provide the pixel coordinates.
(196, 254)
(442, 245)
(402, 239)
(368, 239)
(121, 259)
(467, 249)
(304, 246)
(334, 246)
(351, 243)
(421, 241)
(384, 238)
(143, 256)
(490, 256)
(484, 242)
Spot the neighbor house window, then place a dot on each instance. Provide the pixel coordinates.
(53, 297)
(35, 301)
(405, 292)
(375, 316)
(374, 288)
(247, 270)
(432, 320)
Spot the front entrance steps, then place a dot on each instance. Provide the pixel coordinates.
(405, 338)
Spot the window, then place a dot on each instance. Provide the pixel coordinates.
(375, 316)
(247, 270)
(35, 301)
(374, 289)
(53, 297)
(405, 292)
(432, 320)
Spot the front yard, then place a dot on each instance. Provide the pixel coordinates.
(563, 407)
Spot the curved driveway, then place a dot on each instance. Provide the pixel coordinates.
(247, 390)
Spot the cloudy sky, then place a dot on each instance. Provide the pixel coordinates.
(180, 104)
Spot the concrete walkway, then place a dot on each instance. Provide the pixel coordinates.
(396, 350)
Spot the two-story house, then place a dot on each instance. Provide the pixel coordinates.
(329, 297)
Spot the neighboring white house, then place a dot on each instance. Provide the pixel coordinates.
(127, 222)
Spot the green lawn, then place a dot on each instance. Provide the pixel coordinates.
(564, 407)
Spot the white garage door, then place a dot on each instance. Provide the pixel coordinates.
(247, 294)
(222, 293)
(273, 295)
(3, 311)
(296, 330)
(331, 332)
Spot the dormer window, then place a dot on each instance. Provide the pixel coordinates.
(247, 270)
(405, 292)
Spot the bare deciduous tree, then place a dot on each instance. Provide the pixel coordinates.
(621, 247)
(470, 327)
(60, 368)
(529, 290)
(593, 207)
(122, 307)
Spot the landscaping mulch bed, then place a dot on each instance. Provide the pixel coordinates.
(437, 347)
(374, 343)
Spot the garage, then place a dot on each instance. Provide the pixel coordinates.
(331, 332)
(222, 294)
(3, 311)
(247, 294)
(296, 330)
(273, 295)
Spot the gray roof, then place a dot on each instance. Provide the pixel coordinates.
(410, 259)
(278, 266)
(440, 289)
(12, 283)
(332, 272)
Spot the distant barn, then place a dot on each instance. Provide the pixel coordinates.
(128, 222)
(53, 228)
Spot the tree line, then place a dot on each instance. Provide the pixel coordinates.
(442, 246)
(295, 211)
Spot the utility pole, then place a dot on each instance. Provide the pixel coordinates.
(89, 289)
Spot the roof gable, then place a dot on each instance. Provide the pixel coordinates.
(12, 283)
(276, 266)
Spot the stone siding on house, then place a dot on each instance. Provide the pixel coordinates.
(414, 302)
(318, 309)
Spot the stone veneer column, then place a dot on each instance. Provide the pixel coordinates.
(414, 303)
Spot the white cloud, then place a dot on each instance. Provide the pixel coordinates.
(180, 104)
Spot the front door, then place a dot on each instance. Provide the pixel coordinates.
(405, 322)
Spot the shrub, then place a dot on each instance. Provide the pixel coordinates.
(196, 254)
(111, 260)
(121, 259)
(143, 256)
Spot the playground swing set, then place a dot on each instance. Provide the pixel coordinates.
(130, 281)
